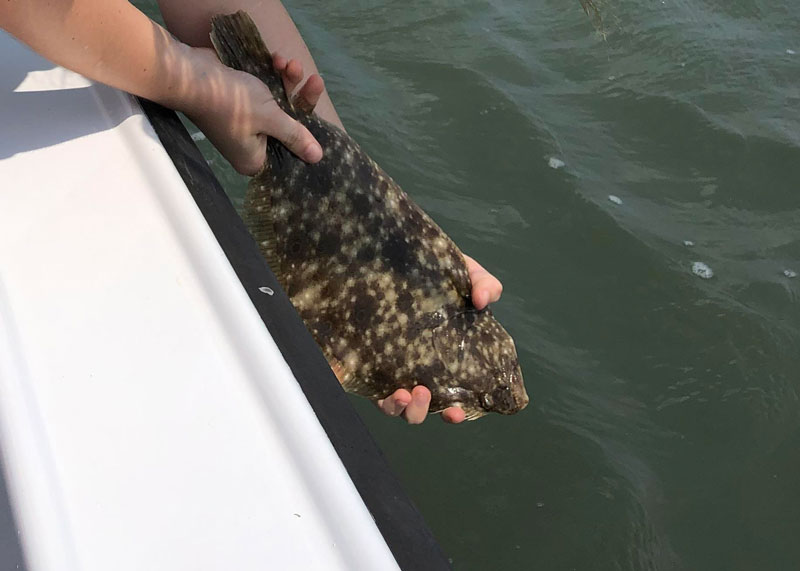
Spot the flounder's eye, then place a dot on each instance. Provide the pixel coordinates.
(456, 341)
(487, 401)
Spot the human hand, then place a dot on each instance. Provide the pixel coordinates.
(237, 112)
(413, 406)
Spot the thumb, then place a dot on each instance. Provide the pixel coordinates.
(296, 137)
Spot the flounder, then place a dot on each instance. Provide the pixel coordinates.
(383, 290)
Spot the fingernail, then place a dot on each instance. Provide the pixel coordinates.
(313, 153)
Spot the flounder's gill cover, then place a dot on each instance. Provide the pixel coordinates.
(383, 290)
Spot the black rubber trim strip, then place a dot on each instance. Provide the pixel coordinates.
(406, 533)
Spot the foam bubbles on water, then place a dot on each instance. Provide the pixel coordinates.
(789, 273)
(688, 243)
(198, 136)
(702, 270)
(555, 163)
(790, 51)
(615, 199)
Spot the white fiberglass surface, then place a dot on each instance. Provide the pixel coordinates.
(148, 420)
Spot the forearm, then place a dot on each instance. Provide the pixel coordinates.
(109, 41)
(190, 21)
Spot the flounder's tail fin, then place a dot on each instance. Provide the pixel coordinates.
(239, 45)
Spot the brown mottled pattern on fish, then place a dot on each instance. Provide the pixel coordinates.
(381, 287)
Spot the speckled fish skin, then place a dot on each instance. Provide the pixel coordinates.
(383, 290)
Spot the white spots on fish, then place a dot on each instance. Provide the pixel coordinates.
(390, 296)
(615, 199)
(555, 163)
(351, 361)
(440, 246)
(308, 298)
(702, 270)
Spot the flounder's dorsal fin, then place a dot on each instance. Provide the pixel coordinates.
(257, 217)
(239, 45)
(346, 377)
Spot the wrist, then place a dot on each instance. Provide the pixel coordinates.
(190, 78)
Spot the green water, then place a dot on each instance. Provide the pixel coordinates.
(664, 428)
